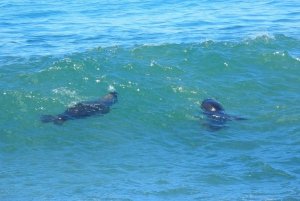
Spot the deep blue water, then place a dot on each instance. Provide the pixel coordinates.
(163, 58)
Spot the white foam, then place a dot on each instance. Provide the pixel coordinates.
(111, 88)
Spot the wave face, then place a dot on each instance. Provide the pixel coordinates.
(163, 58)
(153, 144)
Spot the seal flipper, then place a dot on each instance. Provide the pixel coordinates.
(59, 120)
(232, 118)
(55, 119)
(47, 118)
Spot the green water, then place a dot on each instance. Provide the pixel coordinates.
(153, 145)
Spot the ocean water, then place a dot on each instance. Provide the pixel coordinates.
(163, 58)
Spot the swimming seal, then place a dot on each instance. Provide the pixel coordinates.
(216, 115)
(83, 109)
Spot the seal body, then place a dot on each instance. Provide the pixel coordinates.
(216, 115)
(83, 109)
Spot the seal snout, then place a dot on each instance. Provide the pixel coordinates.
(114, 96)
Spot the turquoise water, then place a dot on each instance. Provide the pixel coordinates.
(153, 144)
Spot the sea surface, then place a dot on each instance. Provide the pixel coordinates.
(163, 58)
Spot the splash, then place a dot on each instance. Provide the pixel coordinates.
(111, 88)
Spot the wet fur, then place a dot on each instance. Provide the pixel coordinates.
(83, 109)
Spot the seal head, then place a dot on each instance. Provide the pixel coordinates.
(216, 115)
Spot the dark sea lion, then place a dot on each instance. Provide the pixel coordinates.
(83, 109)
(216, 115)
